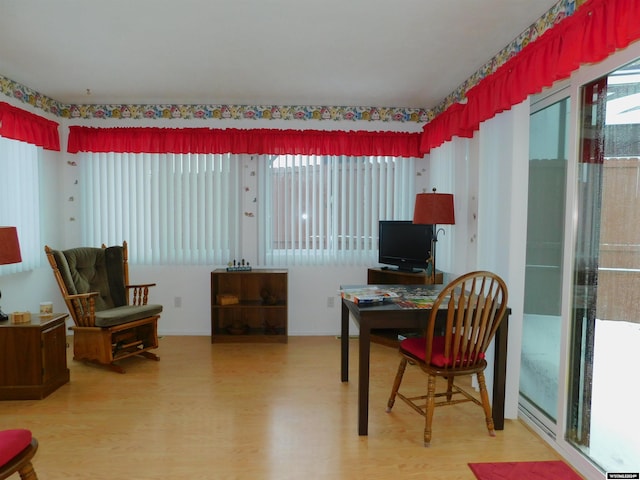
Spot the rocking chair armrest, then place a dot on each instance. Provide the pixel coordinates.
(82, 295)
(83, 308)
(140, 293)
(141, 285)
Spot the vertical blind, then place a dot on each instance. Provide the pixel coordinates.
(170, 208)
(20, 200)
(186, 208)
(325, 209)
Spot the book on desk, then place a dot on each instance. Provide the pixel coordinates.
(369, 295)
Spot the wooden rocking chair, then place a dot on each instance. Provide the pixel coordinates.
(94, 283)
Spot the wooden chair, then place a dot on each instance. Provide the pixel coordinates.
(112, 319)
(475, 305)
(17, 448)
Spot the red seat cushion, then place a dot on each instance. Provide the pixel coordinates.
(416, 346)
(12, 442)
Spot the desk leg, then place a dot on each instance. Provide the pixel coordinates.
(344, 344)
(364, 346)
(500, 373)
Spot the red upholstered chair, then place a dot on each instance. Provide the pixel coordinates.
(17, 448)
(475, 304)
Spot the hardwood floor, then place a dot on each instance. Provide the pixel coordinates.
(252, 411)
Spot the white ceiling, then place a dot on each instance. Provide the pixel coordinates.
(385, 53)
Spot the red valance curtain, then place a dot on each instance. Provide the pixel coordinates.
(252, 141)
(27, 127)
(592, 33)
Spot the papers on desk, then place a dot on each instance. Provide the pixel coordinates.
(416, 302)
(404, 296)
(369, 296)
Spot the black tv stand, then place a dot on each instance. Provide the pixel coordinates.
(403, 269)
(396, 276)
(409, 270)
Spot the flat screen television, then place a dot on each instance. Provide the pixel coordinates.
(404, 244)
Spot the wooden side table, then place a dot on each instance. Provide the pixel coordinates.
(33, 357)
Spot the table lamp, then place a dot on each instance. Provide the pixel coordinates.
(434, 209)
(9, 252)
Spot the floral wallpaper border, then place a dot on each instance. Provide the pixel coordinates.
(557, 13)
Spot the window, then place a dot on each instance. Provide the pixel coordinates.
(170, 208)
(19, 197)
(325, 209)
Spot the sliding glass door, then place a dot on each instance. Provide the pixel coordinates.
(542, 322)
(602, 415)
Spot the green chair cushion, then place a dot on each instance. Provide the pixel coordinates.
(88, 269)
(125, 314)
(83, 270)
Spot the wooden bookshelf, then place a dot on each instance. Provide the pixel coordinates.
(249, 306)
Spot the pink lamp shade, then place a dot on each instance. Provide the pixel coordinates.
(9, 246)
(434, 209)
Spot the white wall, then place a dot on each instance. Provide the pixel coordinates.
(314, 303)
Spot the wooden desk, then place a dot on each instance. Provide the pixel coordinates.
(392, 316)
(392, 276)
(33, 357)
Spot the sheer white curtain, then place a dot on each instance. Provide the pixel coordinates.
(20, 200)
(325, 209)
(170, 208)
(503, 166)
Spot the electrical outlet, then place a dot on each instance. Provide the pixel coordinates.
(177, 302)
(331, 302)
